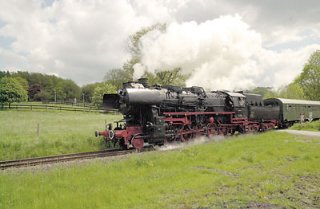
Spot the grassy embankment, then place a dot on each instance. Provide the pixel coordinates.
(307, 126)
(268, 170)
(59, 132)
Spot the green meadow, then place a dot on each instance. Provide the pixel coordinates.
(270, 170)
(41, 133)
(307, 126)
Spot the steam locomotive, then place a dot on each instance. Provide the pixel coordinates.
(162, 114)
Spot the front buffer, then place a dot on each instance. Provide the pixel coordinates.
(126, 137)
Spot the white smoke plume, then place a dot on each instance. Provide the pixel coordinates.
(223, 53)
(214, 52)
(191, 142)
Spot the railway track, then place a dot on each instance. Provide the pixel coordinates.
(66, 157)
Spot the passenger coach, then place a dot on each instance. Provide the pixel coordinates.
(293, 110)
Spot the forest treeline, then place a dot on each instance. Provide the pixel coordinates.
(42, 87)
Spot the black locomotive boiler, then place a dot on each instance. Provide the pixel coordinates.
(157, 115)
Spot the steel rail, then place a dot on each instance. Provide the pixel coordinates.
(66, 157)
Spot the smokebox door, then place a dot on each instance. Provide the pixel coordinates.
(111, 101)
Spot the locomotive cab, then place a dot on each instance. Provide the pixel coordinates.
(235, 102)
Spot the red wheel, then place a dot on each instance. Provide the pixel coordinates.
(185, 134)
(211, 130)
(137, 143)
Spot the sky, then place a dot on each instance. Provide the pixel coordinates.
(222, 44)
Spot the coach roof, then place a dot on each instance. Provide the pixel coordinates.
(294, 101)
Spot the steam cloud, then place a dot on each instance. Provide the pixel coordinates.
(224, 53)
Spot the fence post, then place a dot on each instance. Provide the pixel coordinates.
(38, 130)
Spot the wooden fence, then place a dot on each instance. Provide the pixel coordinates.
(48, 107)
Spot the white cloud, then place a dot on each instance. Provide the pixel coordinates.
(82, 40)
(281, 68)
(76, 39)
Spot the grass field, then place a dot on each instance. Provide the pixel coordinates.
(312, 126)
(255, 171)
(59, 132)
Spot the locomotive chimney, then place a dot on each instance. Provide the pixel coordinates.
(127, 84)
(144, 82)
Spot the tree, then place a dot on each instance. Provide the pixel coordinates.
(71, 89)
(292, 91)
(11, 91)
(315, 58)
(88, 90)
(43, 96)
(117, 77)
(22, 81)
(309, 79)
(265, 92)
(4, 74)
(33, 92)
(100, 90)
(167, 77)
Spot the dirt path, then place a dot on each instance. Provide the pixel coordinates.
(306, 133)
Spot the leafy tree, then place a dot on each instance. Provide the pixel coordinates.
(59, 92)
(117, 77)
(292, 91)
(309, 79)
(265, 92)
(88, 90)
(22, 81)
(167, 77)
(43, 95)
(71, 89)
(33, 92)
(11, 91)
(270, 94)
(100, 90)
(315, 58)
(4, 74)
